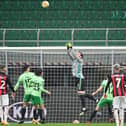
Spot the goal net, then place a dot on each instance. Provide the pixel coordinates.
(64, 104)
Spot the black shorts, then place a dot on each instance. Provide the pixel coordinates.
(79, 83)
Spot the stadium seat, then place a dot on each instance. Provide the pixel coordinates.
(117, 35)
(1, 34)
(62, 14)
(21, 35)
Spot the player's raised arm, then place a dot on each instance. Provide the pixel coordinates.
(70, 51)
(98, 90)
(73, 54)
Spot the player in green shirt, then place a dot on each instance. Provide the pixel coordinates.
(103, 101)
(38, 87)
(24, 79)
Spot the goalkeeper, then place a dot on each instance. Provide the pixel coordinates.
(38, 87)
(24, 79)
(108, 101)
(77, 72)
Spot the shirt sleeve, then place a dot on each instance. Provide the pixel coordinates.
(73, 55)
(10, 84)
(18, 83)
(44, 90)
(42, 87)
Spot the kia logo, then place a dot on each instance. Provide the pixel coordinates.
(14, 112)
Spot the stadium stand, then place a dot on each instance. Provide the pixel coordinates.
(64, 14)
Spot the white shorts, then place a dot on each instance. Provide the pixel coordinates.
(119, 102)
(4, 100)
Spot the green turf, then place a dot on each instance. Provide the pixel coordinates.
(65, 124)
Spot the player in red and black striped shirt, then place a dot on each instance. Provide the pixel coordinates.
(118, 80)
(4, 99)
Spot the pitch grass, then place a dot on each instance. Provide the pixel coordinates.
(65, 124)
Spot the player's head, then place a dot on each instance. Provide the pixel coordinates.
(124, 69)
(38, 72)
(3, 68)
(26, 68)
(116, 68)
(106, 76)
(80, 54)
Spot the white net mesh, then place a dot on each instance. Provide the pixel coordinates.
(64, 104)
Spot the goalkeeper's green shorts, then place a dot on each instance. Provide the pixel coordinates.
(36, 100)
(104, 102)
(27, 97)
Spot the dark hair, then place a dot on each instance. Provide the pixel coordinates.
(81, 54)
(107, 76)
(38, 71)
(2, 67)
(116, 66)
(25, 67)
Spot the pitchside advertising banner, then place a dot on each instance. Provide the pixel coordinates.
(14, 112)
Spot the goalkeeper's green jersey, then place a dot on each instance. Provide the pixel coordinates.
(25, 80)
(38, 85)
(109, 92)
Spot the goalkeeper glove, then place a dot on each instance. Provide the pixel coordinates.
(69, 45)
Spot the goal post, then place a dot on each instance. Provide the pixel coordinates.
(64, 104)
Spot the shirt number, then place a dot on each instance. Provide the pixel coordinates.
(27, 82)
(36, 86)
(118, 80)
(2, 84)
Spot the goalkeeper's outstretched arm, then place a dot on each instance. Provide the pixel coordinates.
(72, 53)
